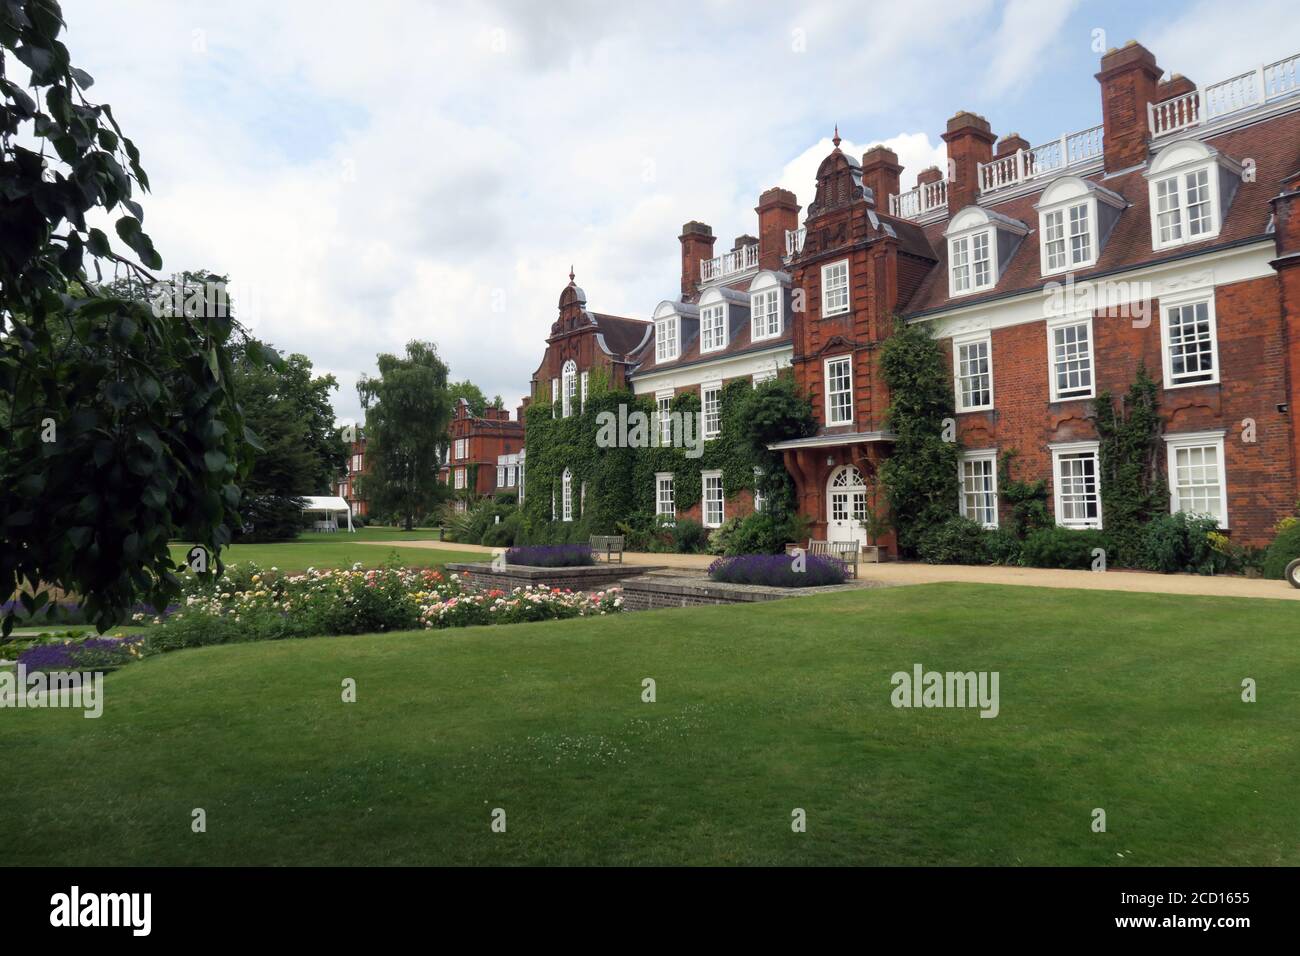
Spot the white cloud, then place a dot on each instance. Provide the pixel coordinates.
(1028, 28)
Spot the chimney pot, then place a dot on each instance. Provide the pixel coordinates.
(778, 211)
(970, 142)
(1129, 79)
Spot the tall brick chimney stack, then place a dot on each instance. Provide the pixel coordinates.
(1130, 82)
(697, 243)
(880, 174)
(778, 210)
(970, 142)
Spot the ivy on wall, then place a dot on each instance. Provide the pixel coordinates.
(1133, 485)
(621, 480)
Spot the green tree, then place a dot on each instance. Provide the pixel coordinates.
(472, 394)
(920, 475)
(121, 428)
(408, 409)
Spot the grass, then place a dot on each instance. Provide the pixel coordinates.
(1127, 702)
(339, 550)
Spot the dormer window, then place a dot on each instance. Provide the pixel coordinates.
(713, 327)
(980, 243)
(1190, 187)
(766, 296)
(667, 339)
(1075, 218)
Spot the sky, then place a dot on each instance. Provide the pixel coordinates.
(371, 173)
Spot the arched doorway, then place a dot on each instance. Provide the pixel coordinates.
(846, 505)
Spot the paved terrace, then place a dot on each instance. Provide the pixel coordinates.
(906, 572)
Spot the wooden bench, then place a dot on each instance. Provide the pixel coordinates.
(846, 551)
(608, 544)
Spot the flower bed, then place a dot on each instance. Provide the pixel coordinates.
(72, 652)
(250, 605)
(551, 555)
(779, 570)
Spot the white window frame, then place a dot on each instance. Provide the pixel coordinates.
(1065, 209)
(501, 476)
(958, 343)
(569, 386)
(566, 495)
(1180, 300)
(1180, 175)
(461, 448)
(705, 478)
(987, 456)
(582, 385)
(1053, 326)
(555, 398)
(965, 242)
(707, 389)
(1070, 449)
(460, 479)
(665, 494)
(664, 408)
(668, 331)
(1191, 440)
(713, 326)
(760, 499)
(758, 378)
(831, 272)
(829, 394)
(766, 320)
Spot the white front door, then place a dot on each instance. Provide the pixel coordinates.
(846, 506)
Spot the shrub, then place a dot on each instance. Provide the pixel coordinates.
(1003, 546)
(720, 537)
(503, 533)
(760, 533)
(1284, 549)
(551, 555)
(1058, 547)
(74, 652)
(690, 536)
(956, 541)
(779, 570)
(1180, 542)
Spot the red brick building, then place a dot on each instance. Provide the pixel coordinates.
(346, 486)
(1168, 234)
(476, 444)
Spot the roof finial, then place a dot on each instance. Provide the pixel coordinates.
(836, 138)
(570, 275)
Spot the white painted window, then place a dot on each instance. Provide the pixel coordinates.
(1068, 238)
(570, 375)
(566, 495)
(978, 473)
(713, 327)
(664, 405)
(767, 375)
(583, 396)
(1190, 341)
(1077, 488)
(501, 476)
(666, 339)
(835, 288)
(711, 403)
(714, 508)
(460, 477)
(971, 262)
(665, 506)
(765, 314)
(1197, 482)
(356, 462)
(839, 390)
(461, 446)
(555, 398)
(973, 368)
(343, 490)
(1184, 191)
(1069, 358)
(760, 499)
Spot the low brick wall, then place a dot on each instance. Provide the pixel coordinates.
(659, 591)
(590, 577)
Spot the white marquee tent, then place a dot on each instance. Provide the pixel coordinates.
(329, 508)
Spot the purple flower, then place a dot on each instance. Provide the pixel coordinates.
(550, 555)
(779, 570)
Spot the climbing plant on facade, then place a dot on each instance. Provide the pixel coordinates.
(1133, 485)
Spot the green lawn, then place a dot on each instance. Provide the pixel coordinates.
(1121, 701)
(339, 550)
